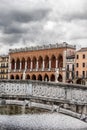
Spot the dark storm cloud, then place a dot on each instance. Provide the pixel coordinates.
(7, 18)
(11, 23)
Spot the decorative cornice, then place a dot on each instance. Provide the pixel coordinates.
(50, 46)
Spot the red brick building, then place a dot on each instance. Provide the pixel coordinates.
(44, 63)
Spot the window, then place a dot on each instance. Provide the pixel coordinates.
(83, 56)
(72, 67)
(77, 65)
(77, 56)
(83, 65)
(67, 67)
(76, 73)
(83, 74)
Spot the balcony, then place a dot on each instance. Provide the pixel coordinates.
(3, 66)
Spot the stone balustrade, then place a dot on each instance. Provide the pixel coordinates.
(49, 91)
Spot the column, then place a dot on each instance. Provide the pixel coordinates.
(20, 65)
(31, 66)
(43, 66)
(25, 65)
(15, 66)
(37, 65)
(49, 64)
(56, 63)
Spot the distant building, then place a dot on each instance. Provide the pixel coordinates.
(70, 68)
(44, 63)
(81, 66)
(4, 67)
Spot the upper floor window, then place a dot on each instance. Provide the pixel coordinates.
(77, 56)
(83, 64)
(77, 65)
(83, 56)
(67, 67)
(72, 67)
(76, 73)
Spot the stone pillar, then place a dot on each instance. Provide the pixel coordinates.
(20, 65)
(49, 64)
(56, 75)
(37, 65)
(84, 110)
(31, 65)
(64, 76)
(15, 65)
(56, 63)
(43, 66)
(64, 66)
(25, 65)
(23, 109)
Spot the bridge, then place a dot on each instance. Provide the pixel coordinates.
(70, 99)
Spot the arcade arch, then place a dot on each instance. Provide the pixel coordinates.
(13, 64)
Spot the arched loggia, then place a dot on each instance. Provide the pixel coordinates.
(53, 61)
(13, 64)
(18, 64)
(52, 78)
(33, 77)
(46, 78)
(39, 77)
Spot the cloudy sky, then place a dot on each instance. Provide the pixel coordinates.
(25, 23)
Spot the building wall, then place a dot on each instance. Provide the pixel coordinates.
(47, 64)
(3, 67)
(81, 65)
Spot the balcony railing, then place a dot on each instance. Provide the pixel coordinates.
(39, 69)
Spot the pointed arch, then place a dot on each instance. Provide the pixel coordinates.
(53, 61)
(13, 64)
(23, 63)
(40, 77)
(40, 62)
(60, 78)
(28, 63)
(46, 78)
(46, 62)
(52, 78)
(18, 64)
(12, 77)
(34, 62)
(17, 76)
(27, 76)
(60, 61)
(33, 77)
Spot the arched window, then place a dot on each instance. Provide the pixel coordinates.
(23, 63)
(18, 64)
(34, 62)
(17, 76)
(40, 62)
(33, 77)
(13, 64)
(28, 63)
(53, 61)
(27, 76)
(46, 78)
(60, 61)
(46, 62)
(60, 78)
(12, 77)
(39, 77)
(52, 77)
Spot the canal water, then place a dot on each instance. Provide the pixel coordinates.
(35, 119)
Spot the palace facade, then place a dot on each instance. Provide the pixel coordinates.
(44, 63)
